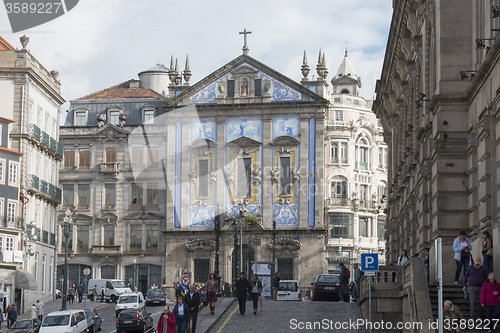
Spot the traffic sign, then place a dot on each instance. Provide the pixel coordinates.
(185, 271)
(186, 280)
(86, 271)
(369, 262)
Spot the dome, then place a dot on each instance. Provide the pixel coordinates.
(159, 68)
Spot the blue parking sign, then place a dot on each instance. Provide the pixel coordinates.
(369, 262)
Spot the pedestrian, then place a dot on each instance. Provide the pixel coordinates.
(182, 315)
(1, 320)
(12, 316)
(212, 289)
(490, 300)
(475, 276)
(193, 301)
(403, 258)
(357, 280)
(487, 251)
(243, 290)
(344, 282)
(71, 294)
(426, 262)
(94, 293)
(103, 293)
(169, 327)
(462, 248)
(178, 291)
(256, 288)
(276, 284)
(7, 315)
(80, 292)
(33, 312)
(40, 309)
(451, 316)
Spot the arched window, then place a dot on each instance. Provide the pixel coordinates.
(339, 191)
(345, 91)
(363, 153)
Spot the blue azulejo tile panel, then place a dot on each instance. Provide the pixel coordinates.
(286, 126)
(281, 92)
(202, 216)
(208, 94)
(203, 129)
(286, 215)
(250, 128)
(234, 210)
(178, 174)
(314, 88)
(311, 181)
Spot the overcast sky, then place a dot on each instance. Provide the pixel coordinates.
(101, 43)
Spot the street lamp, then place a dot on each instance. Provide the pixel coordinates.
(30, 238)
(68, 221)
(274, 241)
(135, 271)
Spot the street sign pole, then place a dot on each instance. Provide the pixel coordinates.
(370, 301)
(86, 272)
(369, 265)
(438, 245)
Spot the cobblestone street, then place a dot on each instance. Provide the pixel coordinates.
(280, 317)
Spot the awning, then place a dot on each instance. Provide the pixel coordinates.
(25, 280)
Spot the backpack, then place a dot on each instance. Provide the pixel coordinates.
(347, 273)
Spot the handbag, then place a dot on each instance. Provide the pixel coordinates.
(490, 252)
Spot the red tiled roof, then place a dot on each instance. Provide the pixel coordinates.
(7, 120)
(5, 46)
(10, 151)
(122, 91)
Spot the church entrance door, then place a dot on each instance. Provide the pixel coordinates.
(248, 258)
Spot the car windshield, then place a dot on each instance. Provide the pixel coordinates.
(22, 324)
(156, 292)
(61, 320)
(288, 286)
(128, 315)
(127, 299)
(328, 278)
(119, 284)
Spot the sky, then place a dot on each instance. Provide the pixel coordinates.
(101, 43)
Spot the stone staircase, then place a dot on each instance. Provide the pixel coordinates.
(453, 293)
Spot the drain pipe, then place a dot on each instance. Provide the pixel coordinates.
(23, 197)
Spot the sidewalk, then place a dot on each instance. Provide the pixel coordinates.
(206, 320)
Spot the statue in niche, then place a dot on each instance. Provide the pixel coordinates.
(244, 88)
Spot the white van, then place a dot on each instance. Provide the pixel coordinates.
(70, 321)
(130, 301)
(289, 290)
(114, 288)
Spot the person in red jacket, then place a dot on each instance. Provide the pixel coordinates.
(490, 298)
(169, 316)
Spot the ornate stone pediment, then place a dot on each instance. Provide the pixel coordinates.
(202, 244)
(285, 141)
(244, 141)
(286, 244)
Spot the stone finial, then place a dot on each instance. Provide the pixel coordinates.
(325, 74)
(305, 67)
(171, 73)
(123, 119)
(24, 41)
(178, 77)
(54, 73)
(100, 120)
(320, 67)
(187, 72)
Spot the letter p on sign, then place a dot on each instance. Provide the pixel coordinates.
(369, 262)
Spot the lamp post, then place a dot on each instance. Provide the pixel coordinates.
(68, 221)
(274, 241)
(135, 271)
(217, 244)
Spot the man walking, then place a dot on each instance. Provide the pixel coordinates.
(451, 315)
(193, 301)
(344, 282)
(357, 280)
(80, 292)
(12, 316)
(243, 288)
(476, 276)
(39, 309)
(276, 284)
(94, 293)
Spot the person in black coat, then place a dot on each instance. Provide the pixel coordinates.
(243, 288)
(193, 301)
(178, 291)
(182, 315)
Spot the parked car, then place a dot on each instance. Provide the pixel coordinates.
(114, 288)
(67, 321)
(156, 296)
(326, 287)
(25, 326)
(134, 320)
(289, 290)
(94, 320)
(130, 301)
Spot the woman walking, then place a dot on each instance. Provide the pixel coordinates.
(490, 298)
(71, 293)
(487, 251)
(256, 287)
(212, 288)
(182, 315)
(166, 323)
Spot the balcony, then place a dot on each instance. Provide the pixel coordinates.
(339, 202)
(109, 168)
(45, 141)
(11, 223)
(364, 166)
(106, 249)
(44, 189)
(367, 204)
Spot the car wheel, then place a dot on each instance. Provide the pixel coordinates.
(113, 298)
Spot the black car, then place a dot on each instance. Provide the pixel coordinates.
(94, 320)
(155, 296)
(326, 287)
(134, 320)
(25, 326)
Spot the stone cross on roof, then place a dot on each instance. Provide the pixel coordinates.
(245, 47)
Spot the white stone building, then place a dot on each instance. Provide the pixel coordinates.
(355, 173)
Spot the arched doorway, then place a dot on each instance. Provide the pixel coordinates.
(75, 275)
(143, 275)
(248, 258)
